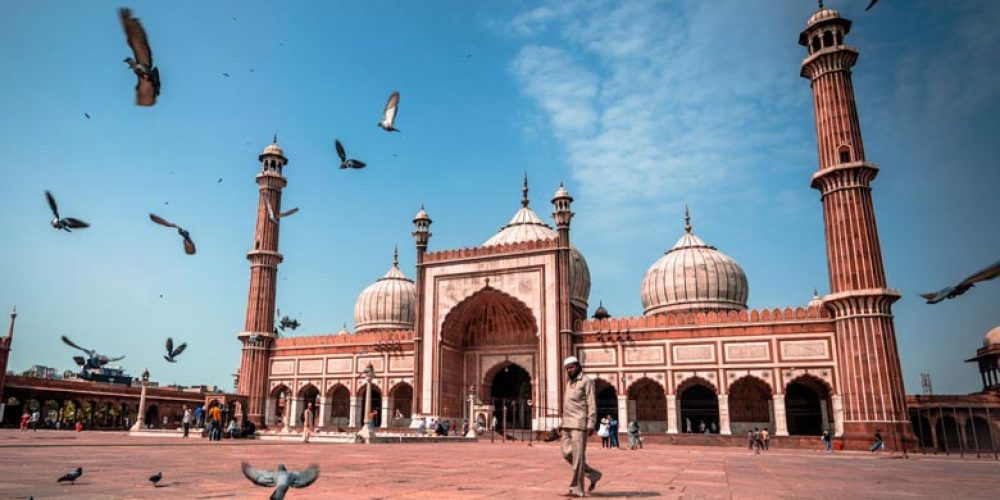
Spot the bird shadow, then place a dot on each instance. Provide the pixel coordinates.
(629, 494)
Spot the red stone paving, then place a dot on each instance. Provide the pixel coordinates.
(116, 466)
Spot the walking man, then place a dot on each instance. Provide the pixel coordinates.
(765, 438)
(827, 441)
(578, 421)
(34, 420)
(186, 420)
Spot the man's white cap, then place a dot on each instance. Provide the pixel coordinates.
(571, 361)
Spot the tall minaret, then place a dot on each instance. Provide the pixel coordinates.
(4, 353)
(870, 378)
(258, 333)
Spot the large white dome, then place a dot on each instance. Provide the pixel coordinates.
(388, 304)
(693, 276)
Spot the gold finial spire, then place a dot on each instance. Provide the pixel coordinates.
(524, 191)
(687, 219)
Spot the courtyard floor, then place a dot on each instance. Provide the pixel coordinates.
(116, 466)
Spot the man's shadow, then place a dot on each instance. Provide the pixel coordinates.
(624, 494)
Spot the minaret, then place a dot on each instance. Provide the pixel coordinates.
(421, 236)
(258, 333)
(870, 378)
(562, 213)
(5, 353)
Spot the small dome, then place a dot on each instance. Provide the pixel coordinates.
(601, 312)
(692, 277)
(561, 193)
(821, 15)
(344, 330)
(992, 338)
(816, 301)
(421, 215)
(388, 304)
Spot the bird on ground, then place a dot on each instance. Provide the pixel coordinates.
(954, 291)
(389, 113)
(93, 361)
(188, 243)
(870, 5)
(155, 479)
(173, 353)
(66, 224)
(344, 162)
(281, 479)
(71, 476)
(277, 218)
(147, 86)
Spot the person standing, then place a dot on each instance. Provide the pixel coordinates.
(307, 424)
(634, 440)
(604, 433)
(215, 424)
(827, 441)
(756, 440)
(750, 440)
(186, 421)
(25, 418)
(765, 438)
(422, 426)
(578, 420)
(34, 420)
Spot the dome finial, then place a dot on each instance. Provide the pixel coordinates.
(524, 191)
(275, 139)
(395, 256)
(820, 4)
(687, 219)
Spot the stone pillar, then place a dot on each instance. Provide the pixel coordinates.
(824, 408)
(780, 421)
(353, 415)
(323, 412)
(724, 415)
(141, 416)
(838, 415)
(268, 411)
(292, 410)
(623, 415)
(671, 414)
(386, 415)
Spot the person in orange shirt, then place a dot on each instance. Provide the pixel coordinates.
(215, 417)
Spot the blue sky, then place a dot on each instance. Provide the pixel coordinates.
(639, 107)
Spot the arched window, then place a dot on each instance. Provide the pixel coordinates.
(840, 38)
(815, 43)
(827, 39)
(845, 154)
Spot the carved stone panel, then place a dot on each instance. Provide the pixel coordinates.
(598, 356)
(644, 355)
(805, 349)
(338, 365)
(310, 366)
(283, 367)
(694, 353)
(401, 363)
(377, 363)
(747, 351)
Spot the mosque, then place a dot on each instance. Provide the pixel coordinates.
(482, 330)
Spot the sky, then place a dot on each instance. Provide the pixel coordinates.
(640, 108)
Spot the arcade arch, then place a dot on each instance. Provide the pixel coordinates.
(750, 407)
(807, 406)
(699, 405)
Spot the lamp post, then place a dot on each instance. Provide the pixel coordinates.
(472, 409)
(141, 417)
(367, 432)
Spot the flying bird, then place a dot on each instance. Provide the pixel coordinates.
(954, 291)
(225, 75)
(188, 243)
(71, 476)
(220, 181)
(173, 353)
(275, 219)
(344, 162)
(87, 115)
(155, 479)
(93, 361)
(870, 5)
(281, 479)
(147, 86)
(389, 113)
(60, 223)
(288, 323)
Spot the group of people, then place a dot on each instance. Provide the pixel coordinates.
(608, 431)
(759, 439)
(211, 422)
(34, 418)
(711, 428)
(436, 427)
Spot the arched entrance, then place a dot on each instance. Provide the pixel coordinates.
(376, 406)
(650, 405)
(152, 416)
(607, 401)
(947, 434)
(749, 405)
(490, 322)
(922, 429)
(699, 406)
(401, 404)
(977, 434)
(510, 388)
(340, 406)
(308, 398)
(278, 404)
(807, 407)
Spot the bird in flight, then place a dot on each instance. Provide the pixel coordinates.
(173, 353)
(281, 479)
(389, 113)
(66, 224)
(870, 5)
(71, 476)
(87, 115)
(148, 85)
(344, 162)
(276, 218)
(954, 291)
(188, 242)
(288, 323)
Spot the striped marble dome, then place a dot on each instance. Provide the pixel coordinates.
(527, 226)
(387, 304)
(692, 277)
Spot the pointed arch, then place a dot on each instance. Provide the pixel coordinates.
(489, 317)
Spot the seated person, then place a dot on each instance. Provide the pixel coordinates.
(232, 430)
(249, 429)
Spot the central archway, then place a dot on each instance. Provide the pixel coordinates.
(488, 321)
(807, 406)
(510, 388)
(699, 407)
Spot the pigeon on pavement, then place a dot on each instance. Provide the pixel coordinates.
(71, 476)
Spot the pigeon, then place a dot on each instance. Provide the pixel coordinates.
(60, 223)
(147, 86)
(220, 181)
(954, 291)
(71, 476)
(87, 115)
(155, 479)
(173, 353)
(344, 162)
(870, 5)
(289, 323)
(225, 75)
(93, 361)
(389, 113)
(282, 478)
(275, 219)
(188, 243)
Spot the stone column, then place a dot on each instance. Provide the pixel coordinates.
(386, 415)
(838, 415)
(780, 421)
(293, 414)
(824, 410)
(671, 414)
(353, 415)
(323, 412)
(141, 416)
(724, 415)
(623, 414)
(268, 412)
